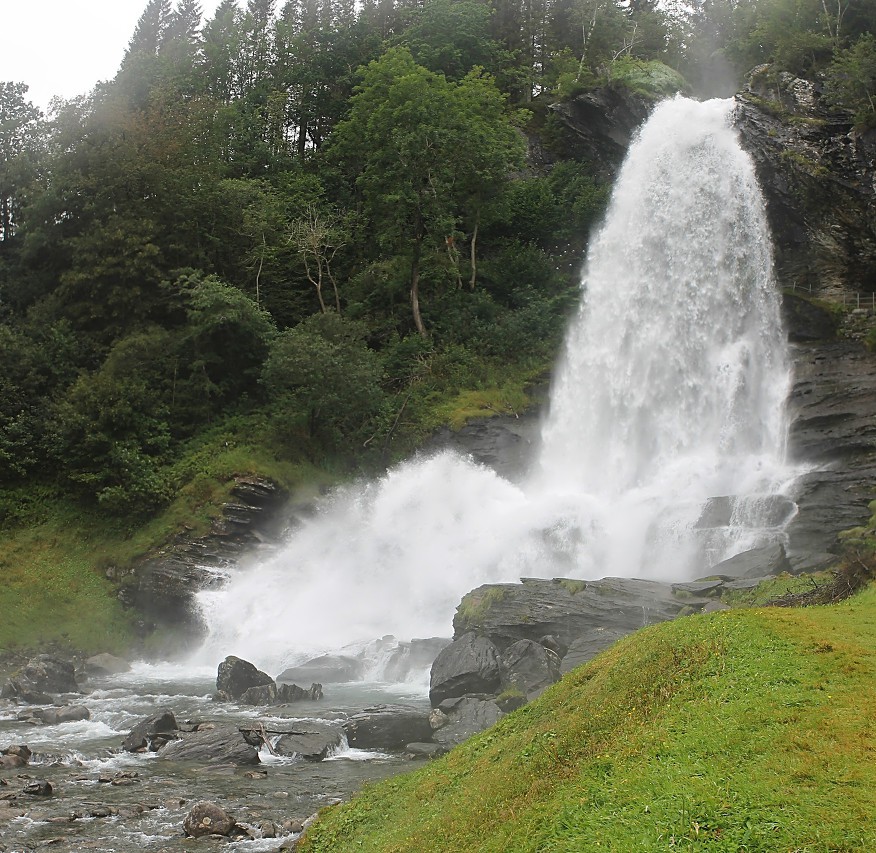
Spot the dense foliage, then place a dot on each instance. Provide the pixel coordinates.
(318, 214)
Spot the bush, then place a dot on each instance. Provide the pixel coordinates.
(330, 376)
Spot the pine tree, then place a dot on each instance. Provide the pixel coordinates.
(149, 32)
(181, 40)
(221, 45)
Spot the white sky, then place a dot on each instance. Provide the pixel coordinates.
(64, 47)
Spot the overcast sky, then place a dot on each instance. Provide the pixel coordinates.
(64, 47)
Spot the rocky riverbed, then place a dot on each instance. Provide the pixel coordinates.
(80, 790)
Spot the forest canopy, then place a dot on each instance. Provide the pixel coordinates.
(320, 214)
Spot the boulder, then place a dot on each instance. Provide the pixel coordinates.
(222, 745)
(388, 727)
(39, 788)
(264, 694)
(311, 741)
(425, 750)
(529, 668)
(756, 563)
(566, 609)
(207, 818)
(588, 645)
(42, 675)
(467, 715)
(65, 714)
(105, 664)
(325, 669)
(152, 734)
(469, 664)
(235, 676)
(294, 693)
(14, 756)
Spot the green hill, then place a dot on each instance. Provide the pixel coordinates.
(743, 730)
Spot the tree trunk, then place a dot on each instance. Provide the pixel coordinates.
(415, 288)
(474, 257)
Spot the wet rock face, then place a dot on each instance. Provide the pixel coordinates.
(564, 609)
(833, 412)
(164, 585)
(819, 179)
(151, 734)
(601, 124)
(388, 727)
(220, 745)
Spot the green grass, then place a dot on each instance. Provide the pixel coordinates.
(744, 730)
(54, 553)
(53, 593)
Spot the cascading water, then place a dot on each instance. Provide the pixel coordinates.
(671, 392)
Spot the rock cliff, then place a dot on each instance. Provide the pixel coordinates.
(819, 178)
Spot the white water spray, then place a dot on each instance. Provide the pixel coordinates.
(671, 392)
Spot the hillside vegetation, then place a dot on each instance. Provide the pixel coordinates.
(743, 730)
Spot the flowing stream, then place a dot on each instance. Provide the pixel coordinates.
(670, 392)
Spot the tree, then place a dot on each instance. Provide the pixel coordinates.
(222, 39)
(18, 122)
(423, 150)
(451, 37)
(851, 81)
(324, 367)
(317, 236)
(181, 40)
(150, 31)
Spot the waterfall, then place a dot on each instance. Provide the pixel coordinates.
(670, 394)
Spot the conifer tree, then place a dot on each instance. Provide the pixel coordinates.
(149, 32)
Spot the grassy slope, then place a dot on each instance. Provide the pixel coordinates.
(745, 730)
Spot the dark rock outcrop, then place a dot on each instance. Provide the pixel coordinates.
(588, 646)
(237, 678)
(470, 664)
(466, 715)
(819, 179)
(762, 562)
(503, 443)
(833, 411)
(530, 668)
(163, 586)
(388, 727)
(601, 124)
(566, 609)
